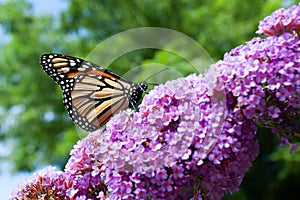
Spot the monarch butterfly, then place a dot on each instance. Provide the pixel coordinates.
(91, 94)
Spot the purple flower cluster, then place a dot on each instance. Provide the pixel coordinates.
(154, 152)
(44, 184)
(192, 138)
(282, 20)
(262, 81)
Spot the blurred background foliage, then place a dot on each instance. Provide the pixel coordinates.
(35, 129)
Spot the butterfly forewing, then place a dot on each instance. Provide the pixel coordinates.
(91, 93)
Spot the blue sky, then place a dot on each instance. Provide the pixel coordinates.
(8, 182)
(53, 7)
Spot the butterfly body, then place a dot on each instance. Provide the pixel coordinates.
(91, 93)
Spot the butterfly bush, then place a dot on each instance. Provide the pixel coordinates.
(192, 138)
(169, 149)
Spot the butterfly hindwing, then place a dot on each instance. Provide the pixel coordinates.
(93, 101)
(91, 94)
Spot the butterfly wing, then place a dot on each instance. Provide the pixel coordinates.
(91, 93)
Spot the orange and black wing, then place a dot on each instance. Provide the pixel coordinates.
(91, 94)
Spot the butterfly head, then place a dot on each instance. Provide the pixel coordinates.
(143, 86)
(138, 90)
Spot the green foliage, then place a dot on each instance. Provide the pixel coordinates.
(27, 93)
(31, 111)
(274, 174)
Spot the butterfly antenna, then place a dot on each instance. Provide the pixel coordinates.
(164, 69)
(151, 77)
(153, 83)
